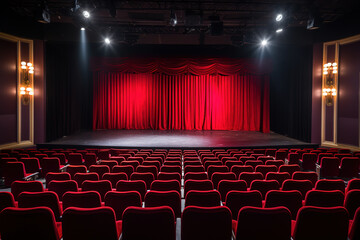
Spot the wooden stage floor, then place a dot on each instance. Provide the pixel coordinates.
(185, 139)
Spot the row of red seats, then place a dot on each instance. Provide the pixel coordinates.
(196, 222)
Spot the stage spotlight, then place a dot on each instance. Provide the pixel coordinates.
(82, 29)
(279, 17)
(264, 42)
(279, 30)
(173, 19)
(86, 14)
(107, 41)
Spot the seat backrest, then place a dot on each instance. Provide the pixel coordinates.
(18, 187)
(353, 184)
(101, 186)
(164, 198)
(309, 161)
(6, 200)
(280, 177)
(289, 168)
(321, 223)
(276, 163)
(193, 168)
(127, 169)
(264, 223)
(169, 176)
(49, 165)
(249, 177)
(75, 159)
(61, 187)
(206, 223)
(171, 169)
(148, 178)
(320, 198)
(199, 185)
(40, 199)
(86, 199)
(114, 178)
(32, 165)
(210, 198)
(264, 169)
(226, 186)
(135, 185)
(15, 224)
(81, 177)
(195, 176)
(119, 201)
(312, 176)
(157, 164)
(352, 202)
(349, 167)
(329, 167)
(14, 171)
(330, 184)
(89, 223)
(165, 185)
(109, 163)
(302, 186)
(214, 169)
(99, 169)
(147, 169)
(264, 186)
(218, 176)
(354, 233)
(240, 169)
(292, 200)
(73, 169)
(61, 176)
(148, 223)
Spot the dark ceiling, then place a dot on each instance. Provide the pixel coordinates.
(213, 22)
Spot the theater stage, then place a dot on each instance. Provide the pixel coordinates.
(185, 139)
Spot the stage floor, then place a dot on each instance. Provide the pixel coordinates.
(185, 139)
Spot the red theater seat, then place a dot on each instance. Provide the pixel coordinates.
(302, 186)
(321, 223)
(147, 169)
(41, 199)
(320, 198)
(210, 198)
(195, 176)
(99, 169)
(61, 176)
(249, 177)
(119, 201)
(18, 187)
(199, 185)
(81, 177)
(29, 223)
(311, 176)
(226, 186)
(169, 176)
(352, 202)
(330, 184)
(280, 177)
(101, 186)
(138, 186)
(292, 200)
(127, 169)
(218, 176)
(6, 200)
(148, 178)
(164, 198)
(90, 223)
(235, 200)
(165, 185)
(114, 178)
(264, 186)
(73, 169)
(86, 199)
(61, 187)
(263, 223)
(149, 223)
(206, 223)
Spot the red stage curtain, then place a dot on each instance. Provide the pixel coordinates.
(150, 95)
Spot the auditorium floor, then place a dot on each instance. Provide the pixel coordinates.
(175, 139)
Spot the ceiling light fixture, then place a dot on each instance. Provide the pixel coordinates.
(279, 17)
(86, 14)
(82, 29)
(107, 41)
(279, 30)
(264, 42)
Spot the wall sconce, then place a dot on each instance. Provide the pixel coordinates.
(329, 90)
(25, 86)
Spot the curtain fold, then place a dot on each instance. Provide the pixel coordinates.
(180, 94)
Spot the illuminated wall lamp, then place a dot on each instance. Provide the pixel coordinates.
(25, 86)
(329, 90)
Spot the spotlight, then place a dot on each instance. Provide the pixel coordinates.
(42, 13)
(107, 40)
(86, 14)
(173, 19)
(279, 30)
(279, 17)
(82, 29)
(264, 42)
